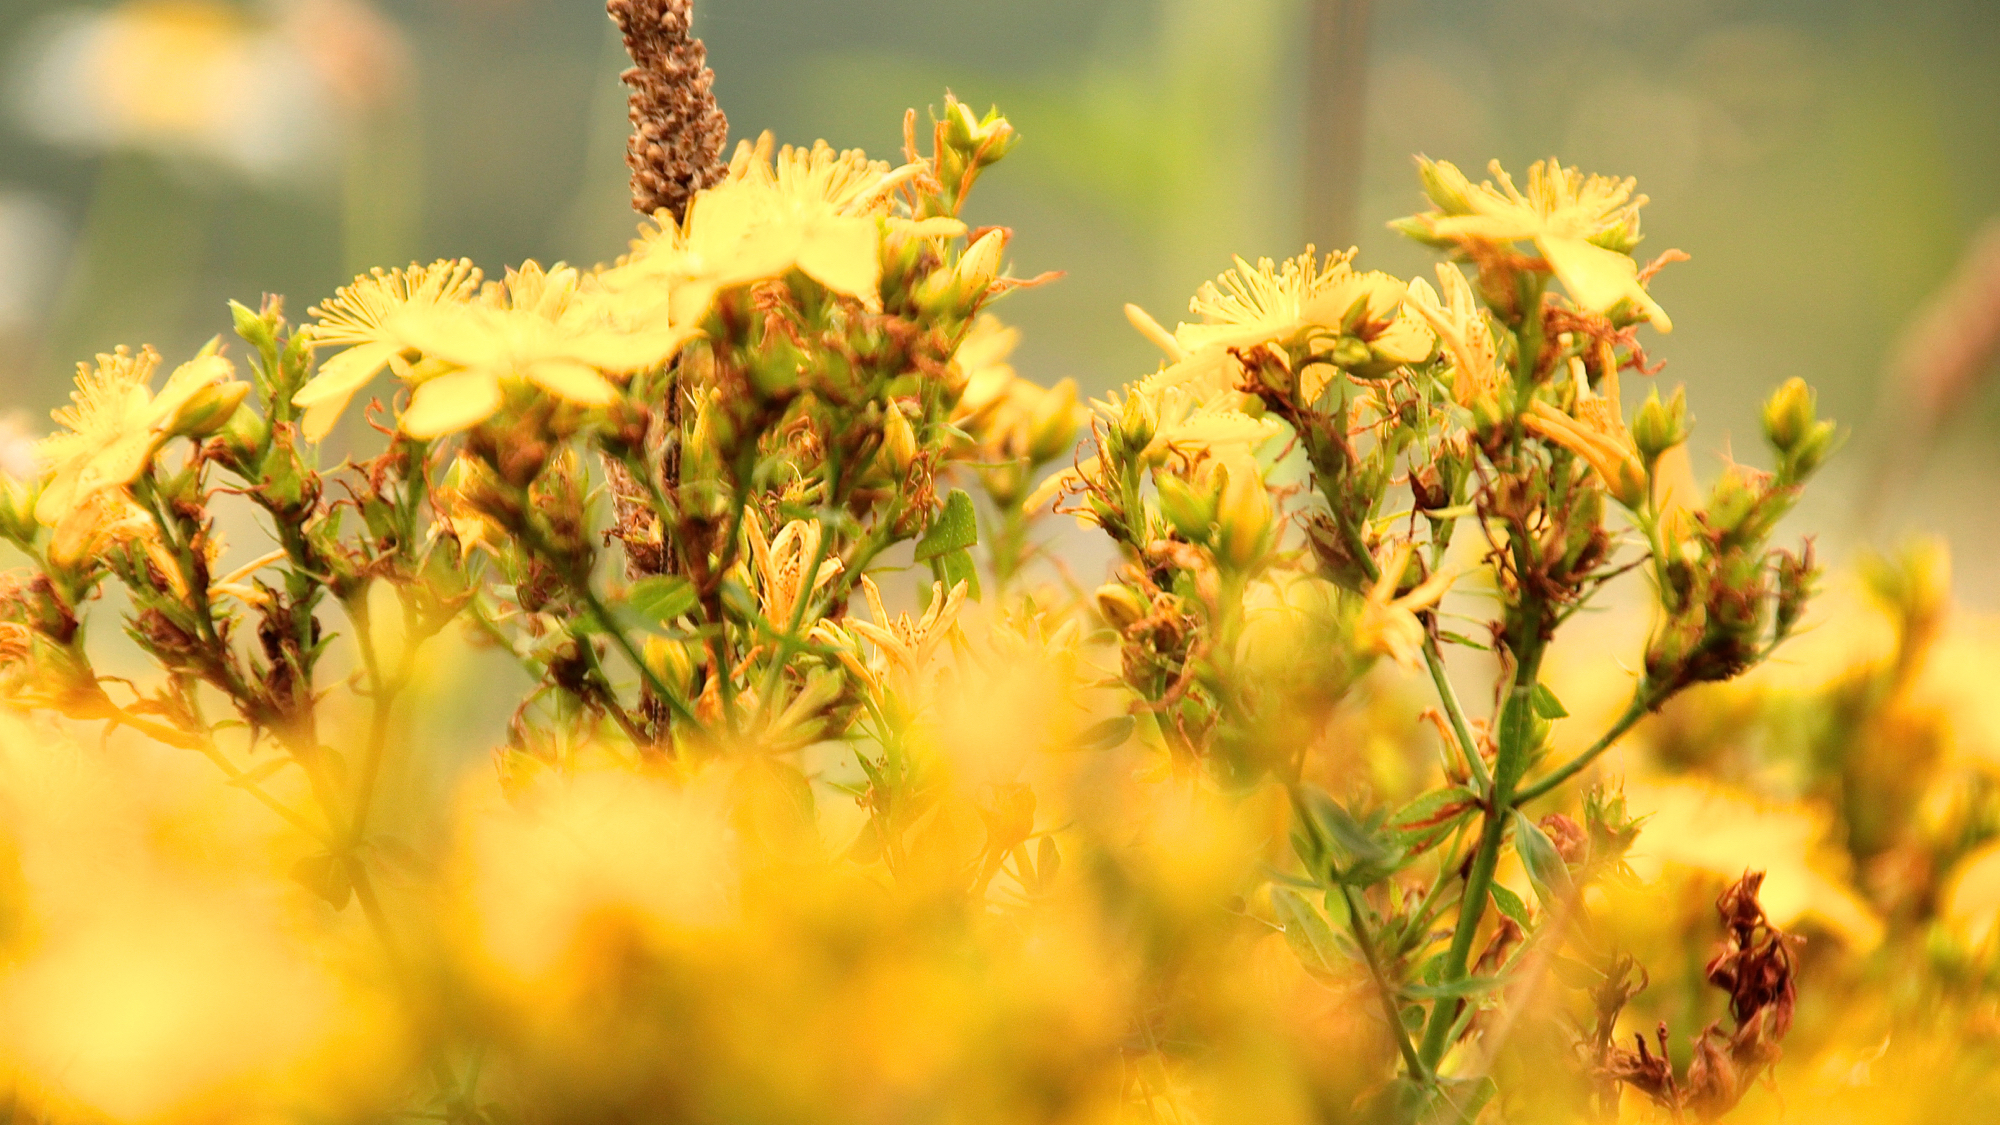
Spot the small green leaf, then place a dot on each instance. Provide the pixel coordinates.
(660, 599)
(1511, 905)
(1546, 869)
(1469, 986)
(1462, 639)
(955, 528)
(957, 567)
(1547, 705)
(1431, 813)
(1108, 734)
(1048, 861)
(1307, 933)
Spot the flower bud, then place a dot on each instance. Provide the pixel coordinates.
(1796, 574)
(980, 263)
(1446, 186)
(1352, 353)
(208, 410)
(1812, 450)
(1137, 422)
(899, 441)
(1243, 519)
(669, 661)
(17, 509)
(1120, 605)
(1788, 415)
(1660, 426)
(984, 139)
(1190, 507)
(1052, 425)
(1735, 496)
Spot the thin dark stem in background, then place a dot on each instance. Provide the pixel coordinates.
(1336, 112)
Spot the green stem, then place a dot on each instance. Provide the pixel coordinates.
(1516, 729)
(1468, 746)
(1391, 1007)
(1642, 704)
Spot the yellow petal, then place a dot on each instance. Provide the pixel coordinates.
(1598, 278)
(450, 403)
(842, 255)
(568, 379)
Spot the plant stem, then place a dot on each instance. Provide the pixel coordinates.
(1516, 728)
(1641, 705)
(1467, 745)
(1392, 1009)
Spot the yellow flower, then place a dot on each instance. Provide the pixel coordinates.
(116, 423)
(548, 334)
(1567, 215)
(1388, 625)
(814, 210)
(1272, 304)
(907, 646)
(1598, 435)
(357, 318)
(981, 365)
(780, 564)
(1461, 327)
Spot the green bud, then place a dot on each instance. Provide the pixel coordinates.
(1788, 415)
(1735, 497)
(208, 410)
(1660, 426)
(984, 139)
(1137, 422)
(1813, 450)
(1446, 186)
(1190, 508)
(17, 509)
(980, 264)
(1352, 353)
(899, 441)
(1243, 520)
(1418, 229)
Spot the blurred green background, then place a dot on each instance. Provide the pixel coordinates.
(1829, 164)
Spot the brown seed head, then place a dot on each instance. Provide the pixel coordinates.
(678, 131)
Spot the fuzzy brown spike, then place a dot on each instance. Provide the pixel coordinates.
(678, 131)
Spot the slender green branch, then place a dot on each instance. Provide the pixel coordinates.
(1467, 745)
(1642, 703)
(1392, 1008)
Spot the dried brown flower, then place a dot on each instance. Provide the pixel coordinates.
(678, 131)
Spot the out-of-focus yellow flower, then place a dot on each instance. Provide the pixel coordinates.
(981, 363)
(1565, 214)
(1388, 625)
(1461, 327)
(1721, 831)
(116, 423)
(357, 318)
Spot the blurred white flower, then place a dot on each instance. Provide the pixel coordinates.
(265, 96)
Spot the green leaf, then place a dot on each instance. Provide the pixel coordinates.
(1355, 856)
(1108, 734)
(661, 598)
(1462, 639)
(1469, 986)
(1546, 869)
(955, 528)
(1547, 705)
(1429, 814)
(1307, 933)
(957, 567)
(1511, 905)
